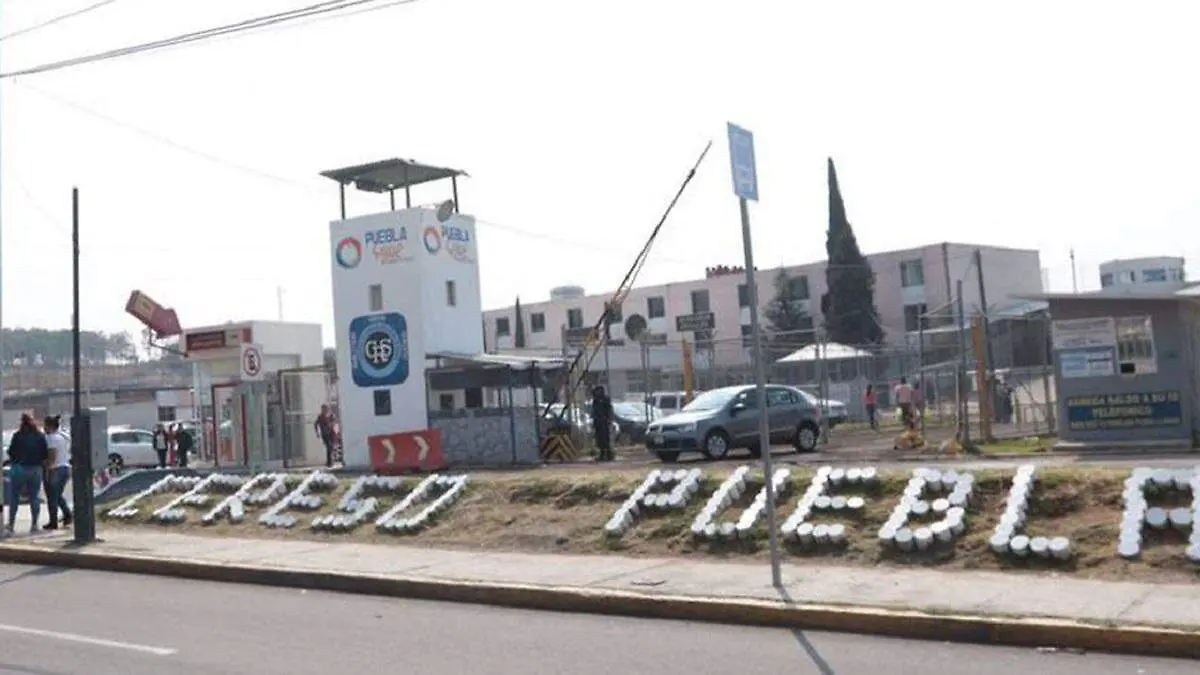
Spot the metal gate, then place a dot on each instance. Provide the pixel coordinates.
(302, 392)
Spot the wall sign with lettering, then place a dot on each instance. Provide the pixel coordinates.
(1138, 410)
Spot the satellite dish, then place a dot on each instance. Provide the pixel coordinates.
(445, 210)
(635, 327)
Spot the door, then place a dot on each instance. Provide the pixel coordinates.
(784, 408)
(743, 425)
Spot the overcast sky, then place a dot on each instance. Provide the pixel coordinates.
(1039, 125)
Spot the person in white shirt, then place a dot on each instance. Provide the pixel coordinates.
(904, 397)
(58, 473)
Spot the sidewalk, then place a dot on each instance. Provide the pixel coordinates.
(929, 591)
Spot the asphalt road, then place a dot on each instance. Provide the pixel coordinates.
(62, 622)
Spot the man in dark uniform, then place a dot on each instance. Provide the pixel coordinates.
(602, 415)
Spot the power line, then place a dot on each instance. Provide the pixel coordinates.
(244, 25)
(58, 19)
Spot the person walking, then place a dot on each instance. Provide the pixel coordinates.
(870, 402)
(59, 472)
(183, 445)
(904, 396)
(160, 445)
(27, 455)
(325, 431)
(602, 415)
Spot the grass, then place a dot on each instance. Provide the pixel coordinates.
(564, 512)
(1028, 445)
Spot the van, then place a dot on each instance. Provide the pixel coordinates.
(670, 402)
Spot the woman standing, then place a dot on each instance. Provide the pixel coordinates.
(870, 402)
(160, 445)
(27, 455)
(59, 472)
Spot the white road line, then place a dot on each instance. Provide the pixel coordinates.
(83, 639)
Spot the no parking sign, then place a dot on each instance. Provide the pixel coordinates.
(252, 362)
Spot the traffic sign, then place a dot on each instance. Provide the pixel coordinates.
(252, 362)
(694, 323)
(741, 160)
(410, 451)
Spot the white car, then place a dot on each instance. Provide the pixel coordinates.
(130, 447)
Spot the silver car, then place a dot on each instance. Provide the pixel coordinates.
(720, 420)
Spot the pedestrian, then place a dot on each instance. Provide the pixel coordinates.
(59, 472)
(184, 444)
(870, 401)
(324, 428)
(27, 455)
(602, 415)
(903, 395)
(160, 445)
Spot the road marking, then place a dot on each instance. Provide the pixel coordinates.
(83, 639)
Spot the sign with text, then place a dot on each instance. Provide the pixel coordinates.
(1116, 412)
(1084, 333)
(741, 161)
(694, 323)
(1099, 362)
(577, 337)
(409, 451)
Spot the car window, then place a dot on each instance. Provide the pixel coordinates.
(669, 402)
(779, 397)
(143, 437)
(748, 398)
(123, 437)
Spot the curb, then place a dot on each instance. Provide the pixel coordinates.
(1144, 640)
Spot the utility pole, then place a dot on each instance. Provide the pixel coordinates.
(964, 421)
(279, 300)
(81, 424)
(1074, 279)
(949, 286)
(989, 365)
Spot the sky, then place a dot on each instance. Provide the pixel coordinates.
(1052, 126)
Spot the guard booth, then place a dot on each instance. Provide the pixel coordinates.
(259, 386)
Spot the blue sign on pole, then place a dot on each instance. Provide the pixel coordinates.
(741, 159)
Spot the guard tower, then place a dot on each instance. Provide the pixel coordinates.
(405, 287)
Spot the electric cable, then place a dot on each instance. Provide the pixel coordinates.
(58, 19)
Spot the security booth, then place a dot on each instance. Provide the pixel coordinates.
(1126, 366)
(259, 387)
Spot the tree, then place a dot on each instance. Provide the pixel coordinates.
(788, 327)
(519, 329)
(850, 314)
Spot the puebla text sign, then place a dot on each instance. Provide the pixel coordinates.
(934, 509)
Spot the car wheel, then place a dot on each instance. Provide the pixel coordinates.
(807, 437)
(116, 463)
(669, 457)
(716, 445)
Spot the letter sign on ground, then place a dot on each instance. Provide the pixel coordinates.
(252, 362)
(741, 158)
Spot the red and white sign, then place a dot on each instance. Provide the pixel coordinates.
(252, 362)
(409, 451)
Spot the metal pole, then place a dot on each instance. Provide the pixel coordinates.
(760, 382)
(342, 198)
(81, 425)
(1048, 372)
(454, 187)
(392, 198)
(646, 376)
(921, 368)
(963, 406)
(989, 365)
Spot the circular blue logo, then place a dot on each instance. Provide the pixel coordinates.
(348, 253)
(379, 351)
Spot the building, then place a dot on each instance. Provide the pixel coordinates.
(1139, 271)
(1127, 365)
(908, 283)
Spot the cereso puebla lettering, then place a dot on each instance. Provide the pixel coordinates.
(387, 235)
(455, 233)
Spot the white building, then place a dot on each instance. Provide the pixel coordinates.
(1139, 271)
(907, 283)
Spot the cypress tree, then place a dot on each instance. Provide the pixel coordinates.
(849, 309)
(519, 329)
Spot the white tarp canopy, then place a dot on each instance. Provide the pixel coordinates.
(830, 351)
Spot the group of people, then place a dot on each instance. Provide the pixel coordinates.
(908, 398)
(37, 459)
(173, 439)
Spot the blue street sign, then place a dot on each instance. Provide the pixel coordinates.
(379, 350)
(741, 159)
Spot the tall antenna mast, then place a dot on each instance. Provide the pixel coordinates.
(1074, 279)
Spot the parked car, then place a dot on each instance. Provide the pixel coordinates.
(834, 412)
(670, 402)
(129, 447)
(724, 419)
(633, 418)
(578, 415)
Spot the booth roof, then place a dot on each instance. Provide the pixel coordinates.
(390, 174)
(499, 361)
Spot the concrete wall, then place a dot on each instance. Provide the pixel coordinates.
(1173, 344)
(484, 436)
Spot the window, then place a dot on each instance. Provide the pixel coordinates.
(473, 397)
(668, 402)
(375, 297)
(912, 317)
(451, 294)
(1154, 275)
(144, 437)
(537, 322)
(446, 402)
(1135, 345)
(743, 295)
(912, 273)
(700, 301)
(166, 414)
(798, 287)
(123, 437)
(574, 318)
(1128, 277)
(614, 315)
(503, 328)
(656, 308)
(1106, 280)
(383, 402)
(778, 397)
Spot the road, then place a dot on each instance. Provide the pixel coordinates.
(62, 622)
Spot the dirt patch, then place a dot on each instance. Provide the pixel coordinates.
(566, 511)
